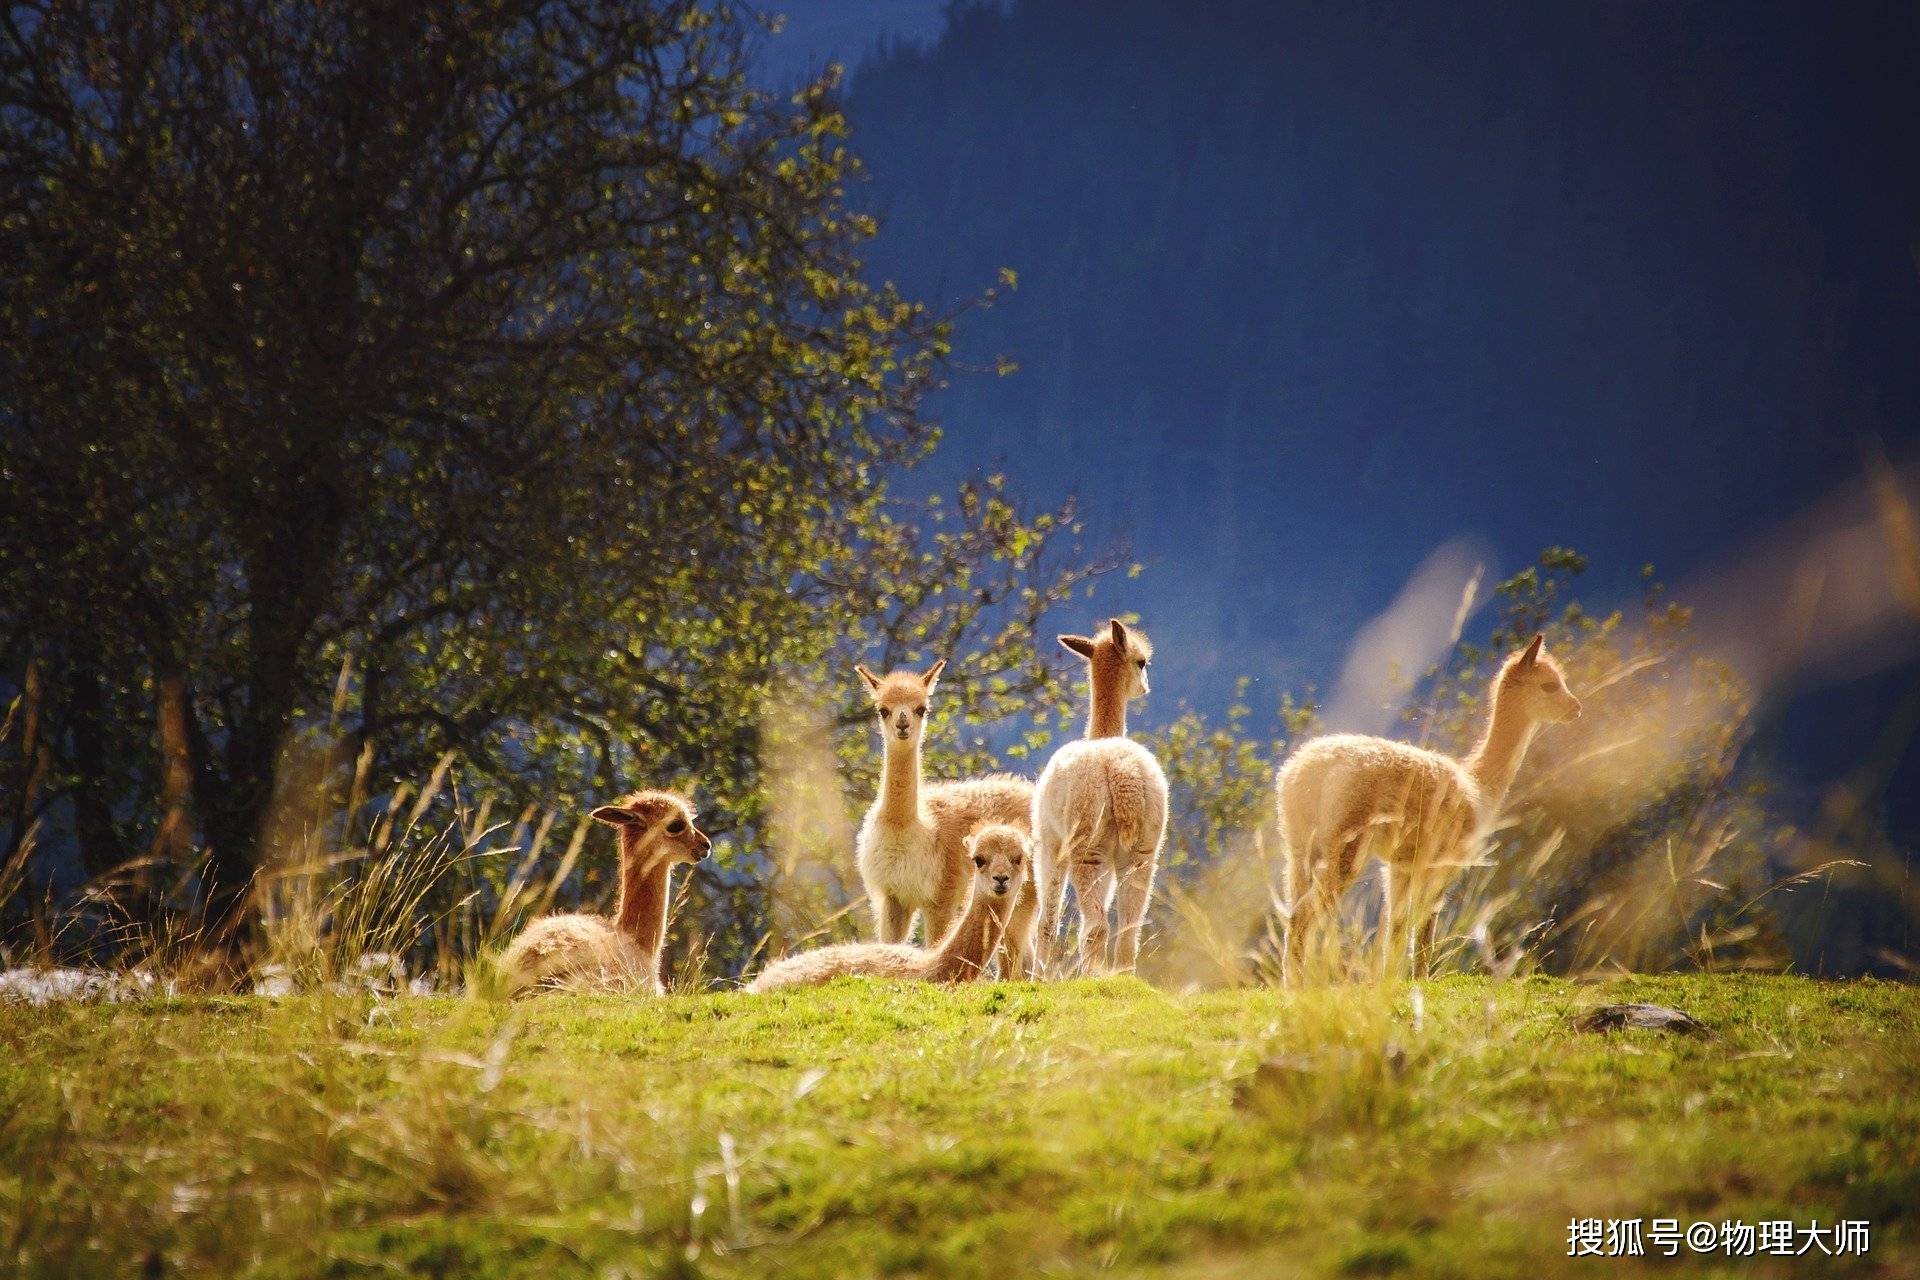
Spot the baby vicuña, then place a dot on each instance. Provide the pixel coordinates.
(998, 855)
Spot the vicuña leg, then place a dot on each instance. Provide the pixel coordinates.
(1297, 841)
(1019, 936)
(893, 916)
(1390, 938)
(1426, 904)
(1136, 890)
(1302, 919)
(938, 916)
(1093, 889)
(1303, 914)
(1049, 862)
(1316, 883)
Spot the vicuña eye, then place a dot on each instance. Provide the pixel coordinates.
(920, 711)
(675, 827)
(979, 861)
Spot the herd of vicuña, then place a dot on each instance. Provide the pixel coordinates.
(985, 862)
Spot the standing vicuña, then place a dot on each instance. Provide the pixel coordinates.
(656, 832)
(1100, 808)
(910, 848)
(998, 855)
(1348, 796)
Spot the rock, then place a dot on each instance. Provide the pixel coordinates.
(48, 986)
(1644, 1017)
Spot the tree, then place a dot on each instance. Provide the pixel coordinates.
(501, 375)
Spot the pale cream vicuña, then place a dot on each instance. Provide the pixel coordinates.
(1100, 809)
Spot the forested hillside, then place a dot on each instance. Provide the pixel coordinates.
(1339, 283)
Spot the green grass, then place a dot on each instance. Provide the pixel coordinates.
(994, 1130)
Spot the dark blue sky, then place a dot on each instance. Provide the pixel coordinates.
(1308, 290)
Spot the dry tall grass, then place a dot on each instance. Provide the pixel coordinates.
(1641, 838)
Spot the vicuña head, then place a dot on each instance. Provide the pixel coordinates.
(1533, 684)
(656, 829)
(1000, 853)
(900, 702)
(1118, 658)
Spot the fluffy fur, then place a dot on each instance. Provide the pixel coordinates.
(911, 845)
(1100, 809)
(622, 953)
(578, 952)
(1347, 797)
(959, 810)
(998, 855)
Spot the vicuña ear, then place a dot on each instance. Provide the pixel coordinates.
(615, 816)
(931, 676)
(1119, 635)
(1532, 655)
(1079, 644)
(872, 680)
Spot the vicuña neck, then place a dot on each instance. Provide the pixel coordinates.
(964, 952)
(1497, 758)
(900, 781)
(641, 913)
(1108, 716)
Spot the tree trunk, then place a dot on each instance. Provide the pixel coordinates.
(101, 849)
(288, 575)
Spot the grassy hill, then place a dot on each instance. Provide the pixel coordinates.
(991, 1130)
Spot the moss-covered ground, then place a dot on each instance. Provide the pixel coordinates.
(1011, 1131)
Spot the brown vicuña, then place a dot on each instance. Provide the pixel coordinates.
(1345, 797)
(593, 952)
